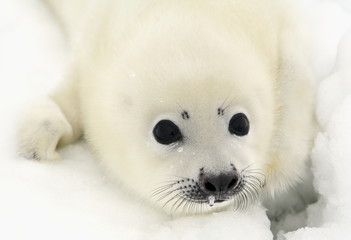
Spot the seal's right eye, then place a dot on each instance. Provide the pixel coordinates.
(166, 132)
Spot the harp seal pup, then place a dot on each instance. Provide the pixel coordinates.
(190, 104)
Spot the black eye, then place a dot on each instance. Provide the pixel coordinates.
(239, 125)
(166, 132)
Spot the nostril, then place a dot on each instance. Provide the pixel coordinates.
(210, 187)
(222, 183)
(232, 183)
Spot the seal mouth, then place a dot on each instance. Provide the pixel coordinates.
(220, 198)
(212, 201)
(186, 194)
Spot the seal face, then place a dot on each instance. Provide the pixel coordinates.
(200, 106)
(205, 152)
(208, 188)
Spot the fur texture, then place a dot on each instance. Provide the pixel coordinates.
(138, 62)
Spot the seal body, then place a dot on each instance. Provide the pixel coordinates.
(188, 103)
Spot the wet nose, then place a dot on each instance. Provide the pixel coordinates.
(219, 184)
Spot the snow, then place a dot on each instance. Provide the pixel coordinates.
(331, 215)
(75, 199)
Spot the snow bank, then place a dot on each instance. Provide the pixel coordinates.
(73, 199)
(331, 215)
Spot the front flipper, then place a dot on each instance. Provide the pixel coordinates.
(49, 123)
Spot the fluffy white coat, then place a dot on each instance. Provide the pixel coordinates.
(138, 62)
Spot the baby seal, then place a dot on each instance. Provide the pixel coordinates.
(195, 105)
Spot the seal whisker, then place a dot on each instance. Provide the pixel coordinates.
(171, 199)
(188, 195)
(187, 206)
(246, 168)
(160, 190)
(181, 201)
(164, 195)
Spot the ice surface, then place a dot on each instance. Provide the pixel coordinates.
(72, 198)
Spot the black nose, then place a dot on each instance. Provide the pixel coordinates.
(219, 184)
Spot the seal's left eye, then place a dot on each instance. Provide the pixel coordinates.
(239, 125)
(166, 132)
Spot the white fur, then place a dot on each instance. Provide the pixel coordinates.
(137, 62)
